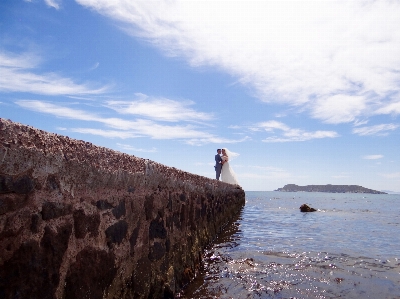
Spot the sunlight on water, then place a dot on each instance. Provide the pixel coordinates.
(350, 248)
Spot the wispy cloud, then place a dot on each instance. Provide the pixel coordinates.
(57, 110)
(18, 75)
(381, 130)
(95, 66)
(372, 157)
(358, 123)
(106, 133)
(287, 134)
(159, 109)
(121, 128)
(53, 3)
(391, 108)
(339, 108)
(128, 147)
(337, 59)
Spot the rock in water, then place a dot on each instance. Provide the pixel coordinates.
(306, 208)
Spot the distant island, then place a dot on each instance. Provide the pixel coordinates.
(328, 188)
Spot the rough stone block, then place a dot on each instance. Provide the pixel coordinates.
(157, 229)
(84, 224)
(51, 210)
(20, 185)
(116, 232)
(119, 210)
(91, 274)
(157, 251)
(33, 270)
(103, 205)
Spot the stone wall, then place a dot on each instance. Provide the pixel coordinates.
(82, 221)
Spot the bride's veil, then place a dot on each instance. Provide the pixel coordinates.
(230, 154)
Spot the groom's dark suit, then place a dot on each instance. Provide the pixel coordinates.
(218, 166)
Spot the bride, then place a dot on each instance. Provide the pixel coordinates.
(227, 173)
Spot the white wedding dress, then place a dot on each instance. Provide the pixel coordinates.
(227, 173)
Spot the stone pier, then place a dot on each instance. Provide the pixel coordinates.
(82, 221)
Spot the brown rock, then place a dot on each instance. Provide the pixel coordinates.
(116, 232)
(306, 208)
(91, 274)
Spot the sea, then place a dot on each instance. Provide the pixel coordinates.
(348, 248)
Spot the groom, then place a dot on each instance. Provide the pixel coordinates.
(218, 164)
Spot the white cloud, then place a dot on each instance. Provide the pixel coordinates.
(375, 130)
(339, 108)
(95, 66)
(139, 127)
(17, 75)
(159, 109)
(288, 134)
(372, 157)
(129, 147)
(106, 133)
(360, 122)
(121, 128)
(53, 3)
(58, 111)
(391, 108)
(271, 125)
(321, 54)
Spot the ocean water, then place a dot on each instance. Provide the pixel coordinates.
(349, 248)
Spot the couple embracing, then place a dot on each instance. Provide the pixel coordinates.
(222, 167)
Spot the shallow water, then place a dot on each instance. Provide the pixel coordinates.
(349, 248)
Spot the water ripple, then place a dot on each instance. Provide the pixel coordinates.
(349, 249)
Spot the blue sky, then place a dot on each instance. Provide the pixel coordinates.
(306, 92)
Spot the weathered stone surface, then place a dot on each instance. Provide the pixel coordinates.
(23, 185)
(119, 210)
(132, 240)
(52, 183)
(6, 183)
(116, 232)
(35, 220)
(11, 202)
(148, 206)
(85, 224)
(33, 270)
(20, 185)
(157, 251)
(103, 205)
(52, 210)
(91, 274)
(157, 229)
(81, 221)
(141, 278)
